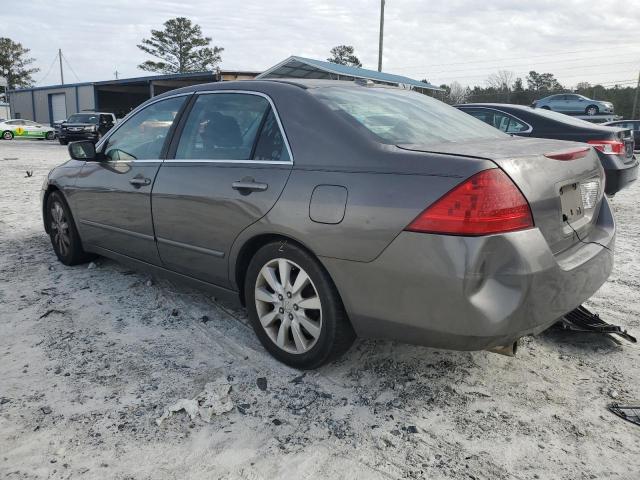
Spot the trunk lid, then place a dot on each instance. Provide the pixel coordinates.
(553, 188)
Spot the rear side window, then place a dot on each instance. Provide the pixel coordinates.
(397, 116)
(499, 120)
(270, 144)
(224, 126)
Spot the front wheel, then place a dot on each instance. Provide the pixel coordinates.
(294, 307)
(62, 231)
(7, 135)
(591, 110)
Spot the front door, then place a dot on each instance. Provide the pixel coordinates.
(33, 129)
(112, 201)
(230, 165)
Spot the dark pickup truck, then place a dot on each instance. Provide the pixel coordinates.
(85, 126)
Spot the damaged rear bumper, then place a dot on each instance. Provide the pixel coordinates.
(471, 293)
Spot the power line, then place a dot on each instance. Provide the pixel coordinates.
(609, 48)
(70, 67)
(49, 70)
(524, 73)
(572, 67)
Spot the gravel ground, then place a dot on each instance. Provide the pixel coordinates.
(90, 358)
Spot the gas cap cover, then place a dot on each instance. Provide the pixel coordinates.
(328, 204)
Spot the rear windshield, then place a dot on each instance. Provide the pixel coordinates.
(397, 116)
(561, 117)
(83, 118)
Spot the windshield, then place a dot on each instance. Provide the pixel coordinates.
(83, 118)
(398, 116)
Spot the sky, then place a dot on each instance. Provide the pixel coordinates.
(597, 41)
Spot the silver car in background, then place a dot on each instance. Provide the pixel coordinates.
(574, 104)
(334, 209)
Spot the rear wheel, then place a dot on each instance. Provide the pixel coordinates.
(294, 307)
(50, 135)
(591, 110)
(7, 135)
(63, 142)
(62, 231)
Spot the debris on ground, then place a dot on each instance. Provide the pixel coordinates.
(262, 383)
(583, 320)
(91, 266)
(213, 400)
(630, 414)
(50, 311)
(46, 410)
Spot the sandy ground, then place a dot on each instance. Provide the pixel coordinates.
(90, 357)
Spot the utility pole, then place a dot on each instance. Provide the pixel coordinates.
(61, 72)
(381, 35)
(116, 74)
(635, 100)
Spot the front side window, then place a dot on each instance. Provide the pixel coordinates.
(224, 126)
(397, 116)
(143, 135)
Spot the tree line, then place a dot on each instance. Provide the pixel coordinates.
(504, 87)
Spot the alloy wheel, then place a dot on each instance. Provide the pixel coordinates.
(7, 135)
(288, 306)
(60, 229)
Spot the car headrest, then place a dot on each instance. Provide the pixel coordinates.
(221, 131)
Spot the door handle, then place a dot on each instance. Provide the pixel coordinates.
(247, 186)
(139, 182)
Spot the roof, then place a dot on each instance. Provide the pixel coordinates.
(300, 67)
(207, 75)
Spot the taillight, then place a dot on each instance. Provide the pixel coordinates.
(612, 147)
(572, 154)
(486, 203)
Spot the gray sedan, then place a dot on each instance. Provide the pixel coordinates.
(334, 209)
(574, 103)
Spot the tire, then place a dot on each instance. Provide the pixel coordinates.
(7, 135)
(67, 246)
(63, 142)
(592, 110)
(545, 108)
(50, 136)
(303, 338)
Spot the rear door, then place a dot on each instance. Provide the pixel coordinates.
(563, 103)
(224, 172)
(112, 202)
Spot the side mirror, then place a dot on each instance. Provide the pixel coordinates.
(83, 150)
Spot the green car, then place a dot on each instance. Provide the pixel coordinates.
(11, 129)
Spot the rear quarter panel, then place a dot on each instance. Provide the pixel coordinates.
(379, 205)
